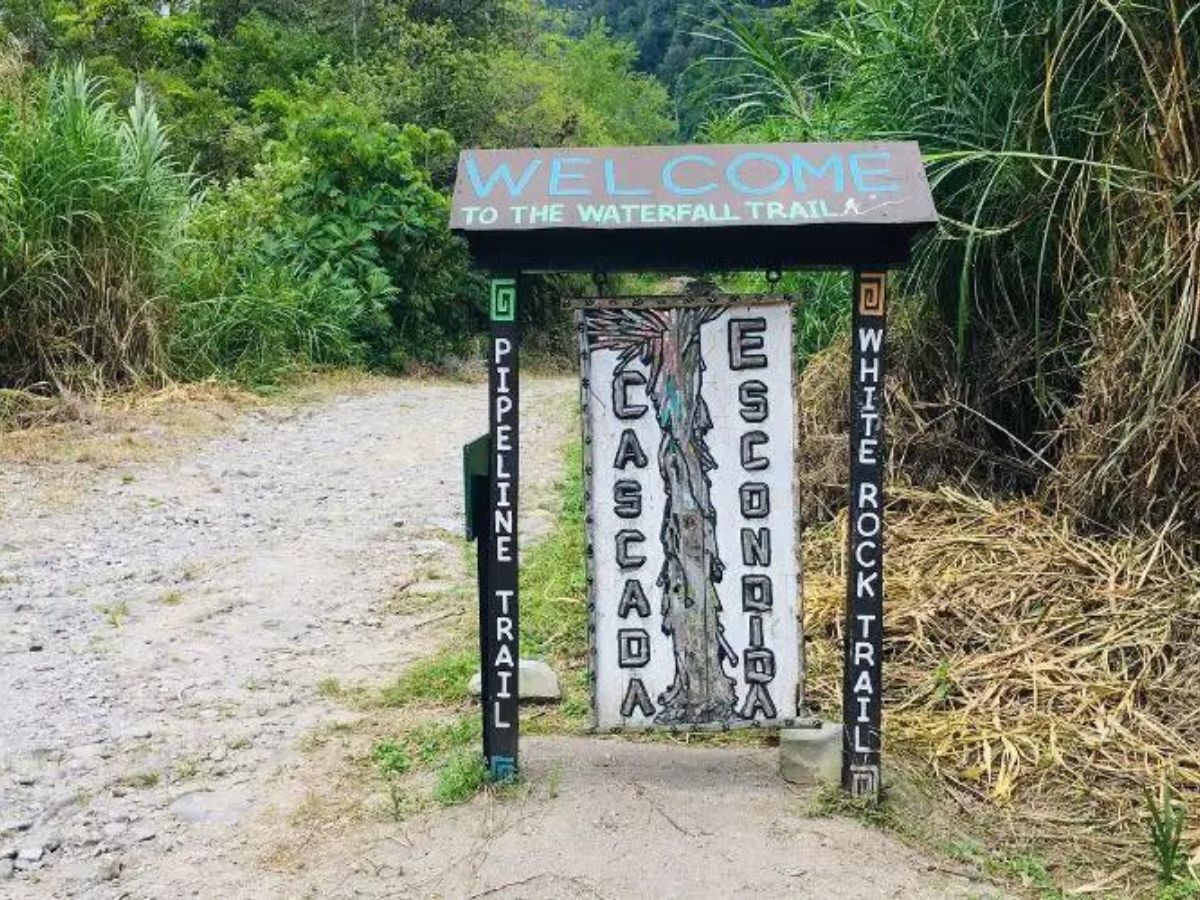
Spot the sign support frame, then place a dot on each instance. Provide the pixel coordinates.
(862, 666)
(784, 206)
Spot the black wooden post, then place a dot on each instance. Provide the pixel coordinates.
(499, 622)
(862, 699)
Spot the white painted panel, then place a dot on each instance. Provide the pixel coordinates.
(716, 688)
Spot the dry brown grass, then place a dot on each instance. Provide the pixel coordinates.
(933, 436)
(1052, 675)
(1132, 449)
(143, 424)
(120, 428)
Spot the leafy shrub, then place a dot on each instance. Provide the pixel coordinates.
(391, 758)
(356, 198)
(336, 251)
(246, 313)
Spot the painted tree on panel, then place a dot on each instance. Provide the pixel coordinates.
(667, 341)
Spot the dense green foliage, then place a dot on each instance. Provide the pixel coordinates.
(337, 247)
(674, 42)
(321, 140)
(1063, 145)
(1061, 137)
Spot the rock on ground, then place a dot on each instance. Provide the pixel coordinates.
(537, 682)
(811, 756)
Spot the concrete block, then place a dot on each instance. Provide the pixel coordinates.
(811, 756)
(538, 682)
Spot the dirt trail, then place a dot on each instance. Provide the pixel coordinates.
(165, 628)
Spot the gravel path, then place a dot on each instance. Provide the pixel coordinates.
(165, 627)
(169, 632)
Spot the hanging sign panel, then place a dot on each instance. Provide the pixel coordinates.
(719, 207)
(693, 558)
(711, 186)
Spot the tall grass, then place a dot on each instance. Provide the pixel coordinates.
(91, 217)
(115, 269)
(1063, 144)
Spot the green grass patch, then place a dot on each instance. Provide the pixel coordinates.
(460, 777)
(1181, 890)
(554, 580)
(392, 758)
(114, 614)
(432, 740)
(441, 678)
(447, 747)
(1030, 870)
(554, 617)
(330, 688)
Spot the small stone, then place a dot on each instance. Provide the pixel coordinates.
(25, 779)
(108, 870)
(218, 754)
(8, 852)
(52, 842)
(31, 853)
(211, 808)
(144, 835)
(811, 755)
(6, 869)
(16, 825)
(537, 682)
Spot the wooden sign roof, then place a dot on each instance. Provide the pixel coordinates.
(705, 207)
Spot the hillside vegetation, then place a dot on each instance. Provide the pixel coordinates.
(239, 189)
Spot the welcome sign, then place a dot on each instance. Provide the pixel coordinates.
(693, 565)
(690, 187)
(693, 562)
